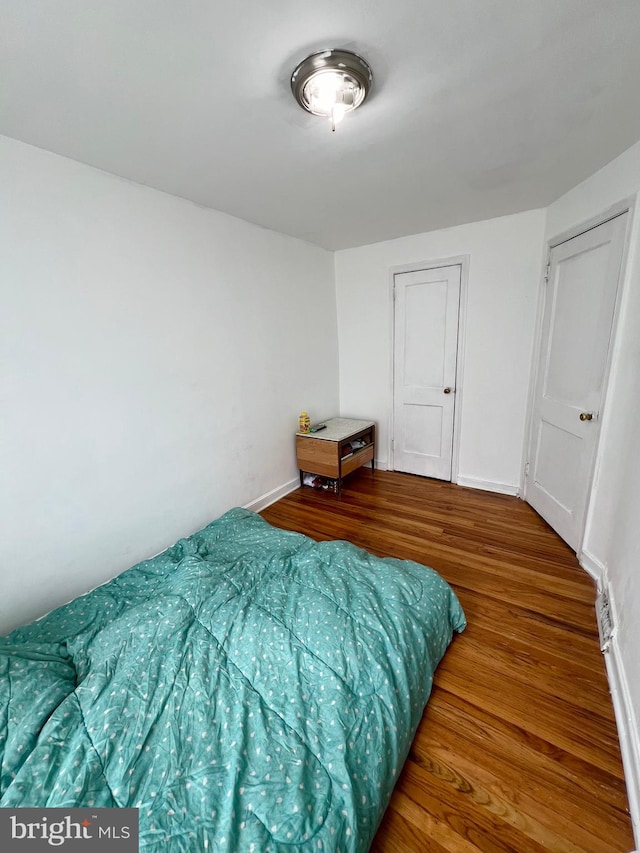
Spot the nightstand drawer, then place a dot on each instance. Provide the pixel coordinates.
(317, 456)
(360, 457)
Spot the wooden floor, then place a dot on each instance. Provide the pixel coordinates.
(517, 749)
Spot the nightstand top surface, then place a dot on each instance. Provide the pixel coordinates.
(338, 429)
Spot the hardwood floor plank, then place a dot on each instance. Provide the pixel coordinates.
(534, 628)
(569, 679)
(520, 810)
(521, 788)
(517, 749)
(484, 825)
(565, 775)
(564, 724)
(406, 826)
(426, 833)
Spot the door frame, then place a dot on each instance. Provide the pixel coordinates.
(626, 205)
(463, 262)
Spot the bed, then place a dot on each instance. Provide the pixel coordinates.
(249, 689)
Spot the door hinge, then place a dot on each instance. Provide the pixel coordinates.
(546, 272)
(526, 470)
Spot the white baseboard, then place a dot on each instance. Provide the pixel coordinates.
(593, 567)
(274, 495)
(488, 486)
(628, 734)
(627, 730)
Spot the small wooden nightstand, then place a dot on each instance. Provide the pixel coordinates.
(322, 452)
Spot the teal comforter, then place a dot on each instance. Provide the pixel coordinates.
(248, 690)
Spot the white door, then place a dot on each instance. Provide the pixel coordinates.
(576, 330)
(425, 350)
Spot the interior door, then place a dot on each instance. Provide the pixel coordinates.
(582, 282)
(425, 351)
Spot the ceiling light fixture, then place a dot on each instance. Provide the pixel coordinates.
(331, 83)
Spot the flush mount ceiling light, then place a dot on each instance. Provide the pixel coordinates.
(331, 83)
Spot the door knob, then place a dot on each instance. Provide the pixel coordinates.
(586, 416)
(447, 390)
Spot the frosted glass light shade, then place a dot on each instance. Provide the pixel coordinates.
(331, 83)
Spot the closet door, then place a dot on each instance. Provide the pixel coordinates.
(580, 299)
(425, 351)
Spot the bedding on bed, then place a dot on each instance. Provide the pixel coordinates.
(249, 689)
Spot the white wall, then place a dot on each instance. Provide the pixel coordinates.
(613, 528)
(155, 356)
(505, 261)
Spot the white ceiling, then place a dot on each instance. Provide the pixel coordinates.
(480, 107)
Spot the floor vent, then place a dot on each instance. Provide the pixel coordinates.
(604, 618)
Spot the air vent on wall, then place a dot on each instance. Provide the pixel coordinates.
(604, 618)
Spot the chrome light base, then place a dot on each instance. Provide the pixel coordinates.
(339, 71)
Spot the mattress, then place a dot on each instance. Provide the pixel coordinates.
(249, 689)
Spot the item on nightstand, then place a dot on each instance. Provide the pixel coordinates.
(304, 422)
(316, 482)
